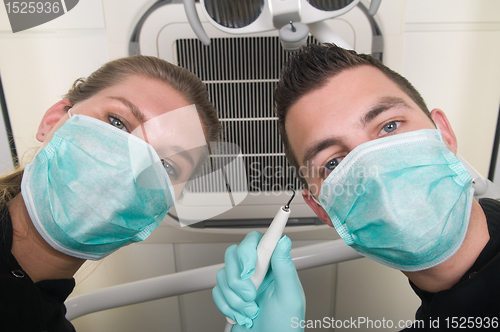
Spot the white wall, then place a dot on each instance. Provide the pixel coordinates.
(451, 53)
(6, 163)
(39, 65)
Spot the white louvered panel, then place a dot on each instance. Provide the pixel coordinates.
(240, 74)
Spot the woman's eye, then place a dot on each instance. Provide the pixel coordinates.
(114, 121)
(170, 169)
(390, 127)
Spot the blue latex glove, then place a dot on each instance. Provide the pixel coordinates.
(280, 296)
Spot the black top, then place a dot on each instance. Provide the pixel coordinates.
(26, 306)
(474, 302)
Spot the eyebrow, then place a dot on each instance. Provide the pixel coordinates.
(315, 149)
(134, 109)
(383, 105)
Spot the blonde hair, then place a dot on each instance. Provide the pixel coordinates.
(10, 185)
(115, 72)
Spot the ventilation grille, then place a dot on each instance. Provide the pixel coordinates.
(240, 74)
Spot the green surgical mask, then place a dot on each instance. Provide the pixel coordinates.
(95, 188)
(403, 200)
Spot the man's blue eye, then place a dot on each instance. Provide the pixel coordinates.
(332, 164)
(390, 127)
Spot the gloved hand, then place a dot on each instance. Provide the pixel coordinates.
(279, 298)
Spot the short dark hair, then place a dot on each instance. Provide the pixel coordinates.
(310, 68)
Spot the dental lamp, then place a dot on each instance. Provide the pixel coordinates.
(294, 19)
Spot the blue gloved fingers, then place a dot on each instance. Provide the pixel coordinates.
(282, 300)
(233, 299)
(247, 253)
(221, 303)
(244, 288)
(287, 284)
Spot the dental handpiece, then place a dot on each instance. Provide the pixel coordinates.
(267, 244)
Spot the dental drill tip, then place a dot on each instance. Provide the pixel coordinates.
(287, 206)
(293, 28)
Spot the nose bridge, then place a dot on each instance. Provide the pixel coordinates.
(357, 137)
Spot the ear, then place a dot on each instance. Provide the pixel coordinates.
(308, 198)
(444, 125)
(51, 117)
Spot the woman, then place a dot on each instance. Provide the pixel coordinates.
(102, 179)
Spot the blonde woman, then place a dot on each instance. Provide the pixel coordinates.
(81, 197)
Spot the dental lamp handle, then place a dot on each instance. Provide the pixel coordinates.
(266, 247)
(194, 21)
(374, 5)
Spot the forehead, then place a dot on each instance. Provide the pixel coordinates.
(345, 95)
(337, 107)
(152, 96)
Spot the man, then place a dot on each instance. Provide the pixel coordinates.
(376, 168)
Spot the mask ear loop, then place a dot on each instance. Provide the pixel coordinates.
(310, 191)
(69, 113)
(314, 199)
